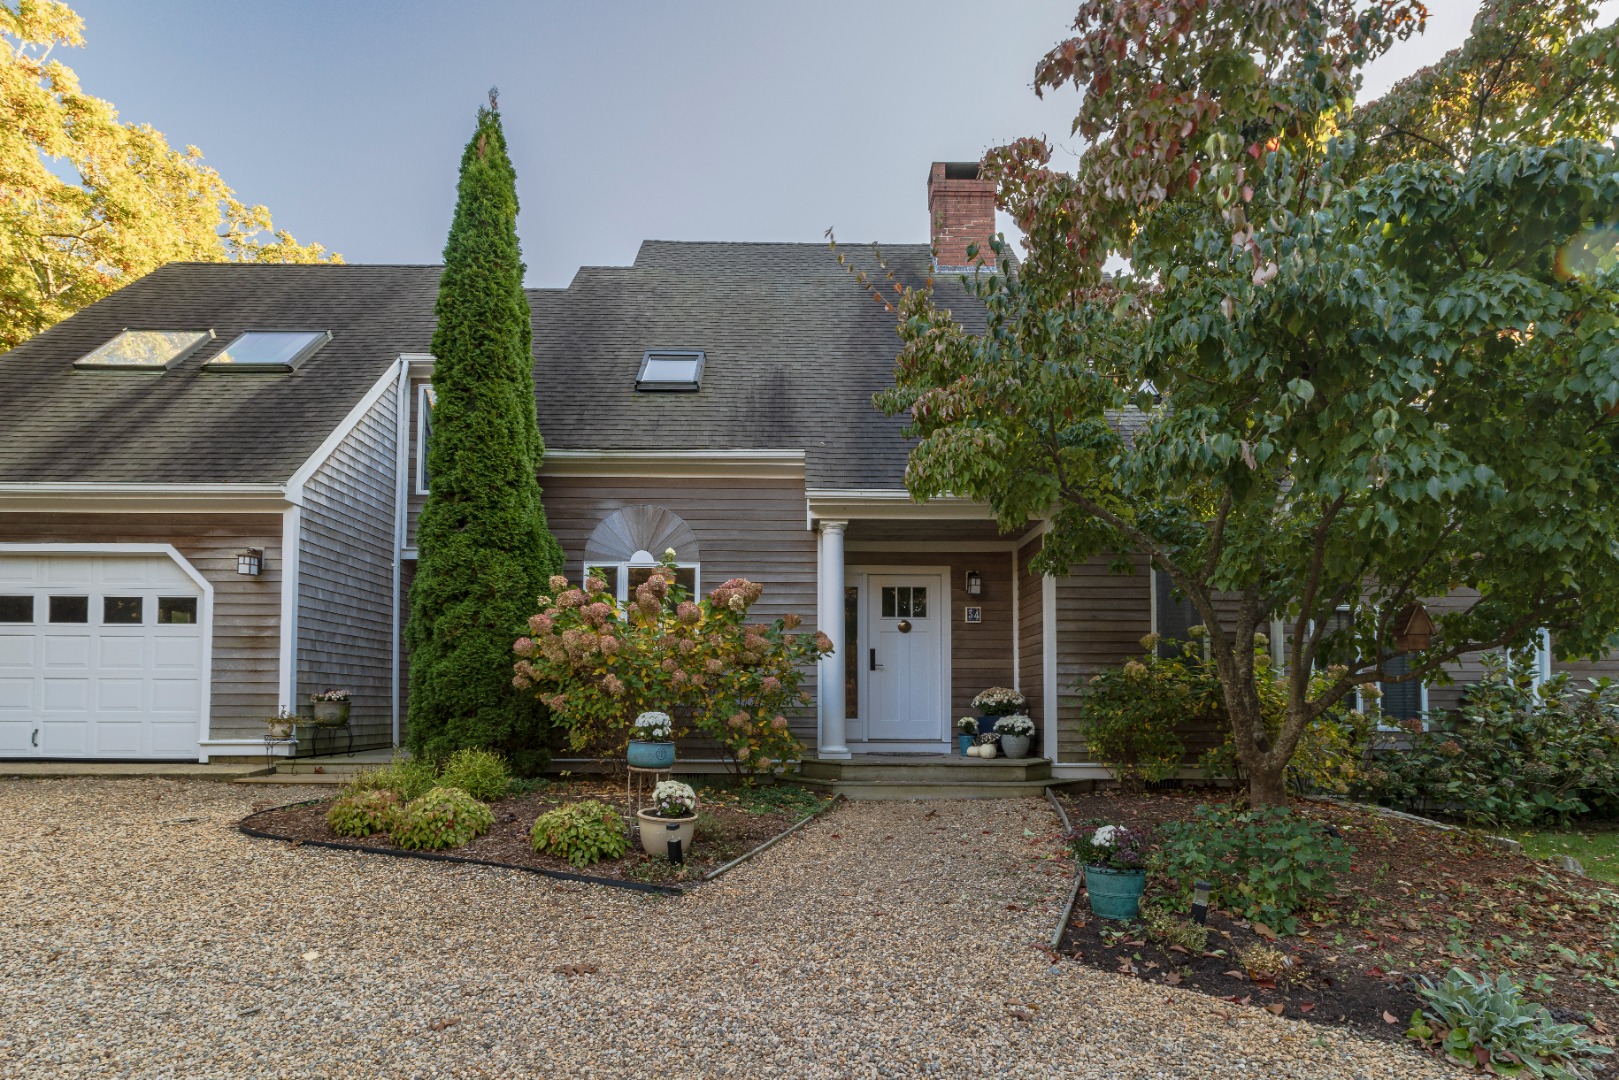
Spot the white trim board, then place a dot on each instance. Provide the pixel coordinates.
(890, 504)
(762, 464)
(291, 547)
(205, 617)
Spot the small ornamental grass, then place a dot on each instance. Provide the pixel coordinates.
(654, 726)
(364, 813)
(1015, 724)
(1169, 929)
(483, 774)
(408, 779)
(583, 833)
(999, 701)
(672, 799)
(445, 817)
(1488, 1025)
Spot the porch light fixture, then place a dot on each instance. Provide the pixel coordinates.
(1200, 901)
(250, 562)
(975, 583)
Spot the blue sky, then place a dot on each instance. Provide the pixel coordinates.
(687, 121)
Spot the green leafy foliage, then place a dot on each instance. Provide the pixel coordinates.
(763, 798)
(583, 833)
(1512, 754)
(1267, 864)
(1488, 1025)
(408, 778)
(364, 813)
(1355, 369)
(486, 551)
(1168, 928)
(483, 774)
(445, 817)
(597, 665)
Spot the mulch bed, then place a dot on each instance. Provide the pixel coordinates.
(1419, 901)
(729, 825)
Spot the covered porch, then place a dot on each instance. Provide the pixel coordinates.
(927, 605)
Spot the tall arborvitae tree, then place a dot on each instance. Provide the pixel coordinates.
(486, 551)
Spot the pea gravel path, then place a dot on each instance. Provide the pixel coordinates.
(141, 935)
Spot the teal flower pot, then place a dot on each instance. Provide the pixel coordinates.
(964, 741)
(1115, 894)
(644, 754)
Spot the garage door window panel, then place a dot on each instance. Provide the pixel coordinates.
(70, 609)
(16, 609)
(176, 610)
(122, 610)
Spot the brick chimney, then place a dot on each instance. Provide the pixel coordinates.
(962, 210)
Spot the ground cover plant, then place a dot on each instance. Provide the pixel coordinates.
(1414, 902)
(445, 817)
(732, 820)
(1487, 1023)
(1595, 845)
(583, 833)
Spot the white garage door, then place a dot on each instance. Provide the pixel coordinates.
(101, 656)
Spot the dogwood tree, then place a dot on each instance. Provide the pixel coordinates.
(1361, 356)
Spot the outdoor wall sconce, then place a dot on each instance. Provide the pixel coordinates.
(250, 562)
(975, 583)
(1200, 901)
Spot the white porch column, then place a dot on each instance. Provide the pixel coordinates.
(831, 620)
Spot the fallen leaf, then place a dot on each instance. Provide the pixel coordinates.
(1235, 974)
(440, 1025)
(1308, 1006)
(1390, 1018)
(1179, 949)
(1275, 1010)
(1264, 931)
(1173, 978)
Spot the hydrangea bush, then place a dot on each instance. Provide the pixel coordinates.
(597, 665)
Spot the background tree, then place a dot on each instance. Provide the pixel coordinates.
(1361, 361)
(128, 202)
(485, 550)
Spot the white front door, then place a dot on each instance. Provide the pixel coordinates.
(100, 656)
(907, 679)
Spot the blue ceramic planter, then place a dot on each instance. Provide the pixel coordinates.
(986, 725)
(964, 741)
(644, 754)
(1115, 894)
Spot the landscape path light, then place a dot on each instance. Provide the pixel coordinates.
(1200, 901)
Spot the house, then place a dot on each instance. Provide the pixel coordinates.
(209, 483)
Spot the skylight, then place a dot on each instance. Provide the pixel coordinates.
(269, 350)
(145, 350)
(670, 369)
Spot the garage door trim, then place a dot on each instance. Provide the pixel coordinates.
(205, 617)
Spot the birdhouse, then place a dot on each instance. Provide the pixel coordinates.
(1413, 629)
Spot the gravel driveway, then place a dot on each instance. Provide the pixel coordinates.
(141, 935)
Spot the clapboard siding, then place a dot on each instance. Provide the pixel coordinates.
(1101, 619)
(247, 610)
(744, 527)
(1031, 633)
(346, 616)
(980, 653)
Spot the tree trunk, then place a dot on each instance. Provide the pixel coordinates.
(1267, 785)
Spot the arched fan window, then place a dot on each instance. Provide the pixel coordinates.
(626, 547)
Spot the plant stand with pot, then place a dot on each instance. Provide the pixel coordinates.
(639, 785)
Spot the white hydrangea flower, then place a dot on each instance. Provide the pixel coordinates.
(1104, 836)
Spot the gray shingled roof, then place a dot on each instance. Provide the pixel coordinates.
(185, 425)
(795, 348)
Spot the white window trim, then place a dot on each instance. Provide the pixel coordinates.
(423, 393)
(1360, 697)
(624, 567)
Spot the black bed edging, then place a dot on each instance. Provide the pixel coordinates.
(433, 856)
(615, 883)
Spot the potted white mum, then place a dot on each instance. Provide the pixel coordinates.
(671, 817)
(651, 747)
(1015, 731)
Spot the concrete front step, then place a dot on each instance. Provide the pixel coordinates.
(930, 769)
(908, 790)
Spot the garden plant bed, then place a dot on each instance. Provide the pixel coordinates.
(1418, 901)
(732, 821)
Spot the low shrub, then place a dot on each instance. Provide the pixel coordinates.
(1512, 755)
(1263, 963)
(408, 779)
(1268, 864)
(483, 774)
(1131, 716)
(445, 817)
(1488, 1025)
(363, 813)
(1167, 928)
(583, 833)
